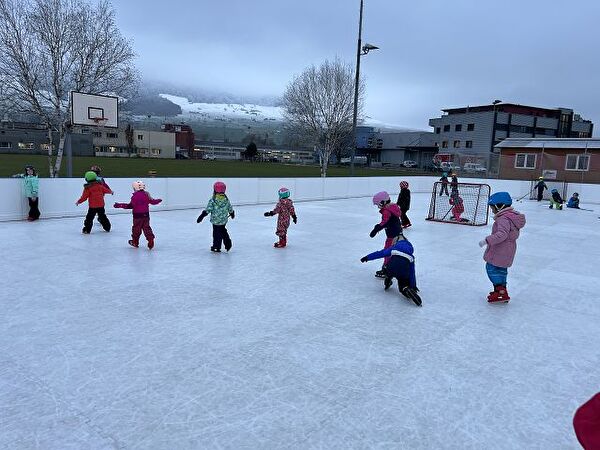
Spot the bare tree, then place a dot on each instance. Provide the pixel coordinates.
(49, 48)
(319, 102)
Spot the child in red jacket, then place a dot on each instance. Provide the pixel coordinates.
(285, 210)
(458, 207)
(93, 192)
(140, 204)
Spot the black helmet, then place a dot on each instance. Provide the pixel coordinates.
(29, 166)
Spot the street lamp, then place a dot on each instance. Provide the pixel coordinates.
(360, 51)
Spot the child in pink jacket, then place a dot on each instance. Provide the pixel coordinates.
(501, 244)
(140, 204)
(285, 210)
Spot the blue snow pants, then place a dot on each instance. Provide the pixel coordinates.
(497, 275)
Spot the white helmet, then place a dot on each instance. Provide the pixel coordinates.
(138, 185)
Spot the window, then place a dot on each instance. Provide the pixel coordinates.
(444, 144)
(26, 145)
(140, 137)
(155, 151)
(525, 161)
(112, 135)
(438, 130)
(458, 127)
(469, 144)
(456, 144)
(471, 127)
(5, 144)
(46, 147)
(578, 162)
(97, 134)
(435, 144)
(446, 128)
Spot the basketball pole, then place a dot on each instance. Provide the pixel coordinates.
(69, 151)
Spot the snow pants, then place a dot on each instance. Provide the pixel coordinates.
(497, 275)
(444, 189)
(221, 236)
(89, 219)
(404, 219)
(34, 211)
(399, 268)
(141, 225)
(389, 242)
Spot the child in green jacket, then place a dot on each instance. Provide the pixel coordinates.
(31, 186)
(220, 210)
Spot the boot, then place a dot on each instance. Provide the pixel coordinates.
(151, 243)
(500, 295)
(133, 243)
(282, 242)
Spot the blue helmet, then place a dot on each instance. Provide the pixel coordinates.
(554, 190)
(500, 198)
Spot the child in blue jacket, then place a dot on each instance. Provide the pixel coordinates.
(401, 266)
(574, 201)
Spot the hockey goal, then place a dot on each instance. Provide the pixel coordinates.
(560, 186)
(464, 203)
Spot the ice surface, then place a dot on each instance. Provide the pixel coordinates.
(106, 346)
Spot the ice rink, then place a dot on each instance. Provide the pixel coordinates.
(109, 347)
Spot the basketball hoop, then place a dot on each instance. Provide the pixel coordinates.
(100, 121)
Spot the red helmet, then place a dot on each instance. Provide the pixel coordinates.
(404, 185)
(219, 187)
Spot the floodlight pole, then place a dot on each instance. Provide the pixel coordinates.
(356, 83)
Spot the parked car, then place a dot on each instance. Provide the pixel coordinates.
(209, 157)
(409, 164)
(474, 168)
(446, 166)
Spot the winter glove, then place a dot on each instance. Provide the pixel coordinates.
(295, 219)
(364, 259)
(268, 213)
(232, 214)
(483, 243)
(201, 217)
(376, 229)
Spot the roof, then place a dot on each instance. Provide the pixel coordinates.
(590, 144)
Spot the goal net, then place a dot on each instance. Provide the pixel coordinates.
(464, 203)
(560, 186)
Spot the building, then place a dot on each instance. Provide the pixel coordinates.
(563, 159)
(221, 151)
(475, 131)
(32, 139)
(393, 148)
(154, 144)
(184, 138)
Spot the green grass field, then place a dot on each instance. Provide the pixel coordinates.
(139, 167)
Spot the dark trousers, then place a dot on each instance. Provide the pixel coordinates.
(404, 219)
(89, 219)
(444, 189)
(221, 236)
(540, 195)
(141, 224)
(399, 268)
(34, 211)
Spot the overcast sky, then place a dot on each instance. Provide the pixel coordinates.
(434, 53)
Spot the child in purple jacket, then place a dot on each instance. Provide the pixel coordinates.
(501, 244)
(140, 204)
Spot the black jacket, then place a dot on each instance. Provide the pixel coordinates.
(404, 200)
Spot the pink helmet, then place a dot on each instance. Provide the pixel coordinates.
(381, 198)
(404, 185)
(219, 187)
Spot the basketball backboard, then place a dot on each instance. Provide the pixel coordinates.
(94, 110)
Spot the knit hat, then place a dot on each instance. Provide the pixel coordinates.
(380, 198)
(587, 423)
(404, 185)
(219, 187)
(138, 185)
(283, 192)
(90, 176)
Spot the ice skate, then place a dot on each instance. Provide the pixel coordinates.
(84, 231)
(387, 283)
(500, 295)
(411, 293)
(150, 244)
(380, 273)
(282, 243)
(215, 250)
(133, 243)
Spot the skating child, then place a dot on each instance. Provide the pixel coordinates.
(501, 244)
(586, 423)
(404, 204)
(285, 210)
(444, 188)
(220, 211)
(540, 186)
(556, 200)
(458, 206)
(140, 204)
(390, 221)
(401, 266)
(574, 201)
(93, 192)
(454, 185)
(31, 185)
(98, 171)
